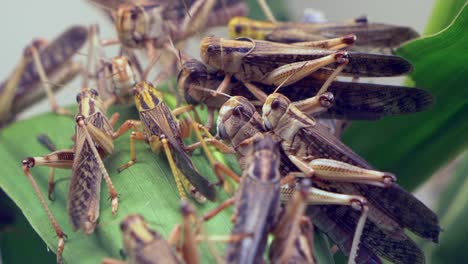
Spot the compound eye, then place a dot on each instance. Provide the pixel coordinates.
(275, 104)
(238, 29)
(123, 225)
(210, 48)
(94, 92)
(133, 14)
(78, 98)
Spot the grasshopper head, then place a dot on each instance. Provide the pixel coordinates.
(273, 109)
(135, 232)
(122, 75)
(89, 102)
(193, 74)
(233, 115)
(224, 54)
(133, 24)
(146, 96)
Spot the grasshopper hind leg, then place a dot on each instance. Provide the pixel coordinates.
(27, 164)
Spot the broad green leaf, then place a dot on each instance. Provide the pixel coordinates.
(442, 15)
(414, 146)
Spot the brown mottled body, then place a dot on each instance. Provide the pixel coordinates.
(352, 100)
(252, 60)
(257, 204)
(87, 173)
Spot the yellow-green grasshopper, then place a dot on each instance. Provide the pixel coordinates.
(309, 149)
(143, 245)
(40, 59)
(371, 37)
(93, 141)
(161, 129)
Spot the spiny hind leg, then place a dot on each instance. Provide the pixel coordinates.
(61, 159)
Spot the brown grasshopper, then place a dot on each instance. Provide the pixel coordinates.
(197, 83)
(310, 148)
(40, 59)
(370, 36)
(283, 64)
(143, 245)
(93, 141)
(162, 130)
(154, 24)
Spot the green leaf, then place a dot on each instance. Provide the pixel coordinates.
(443, 13)
(453, 213)
(415, 146)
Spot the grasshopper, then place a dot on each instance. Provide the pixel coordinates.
(370, 36)
(93, 140)
(153, 24)
(197, 82)
(143, 245)
(283, 64)
(305, 142)
(162, 130)
(23, 86)
(257, 203)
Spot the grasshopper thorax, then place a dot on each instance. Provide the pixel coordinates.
(146, 96)
(274, 109)
(89, 102)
